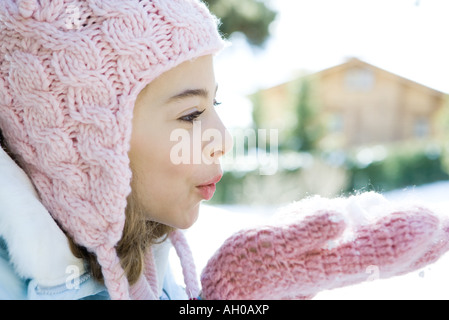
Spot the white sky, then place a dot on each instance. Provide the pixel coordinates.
(310, 35)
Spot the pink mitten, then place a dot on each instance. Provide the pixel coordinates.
(324, 244)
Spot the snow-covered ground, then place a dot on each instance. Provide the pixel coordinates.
(216, 223)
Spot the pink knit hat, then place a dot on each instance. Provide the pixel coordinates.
(70, 73)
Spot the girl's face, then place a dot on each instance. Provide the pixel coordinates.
(177, 140)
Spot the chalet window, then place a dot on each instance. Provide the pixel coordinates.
(336, 123)
(359, 79)
(421, 128)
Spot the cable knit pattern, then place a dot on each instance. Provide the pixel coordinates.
(142, 290)
(150, 272)
(70, 72)
(322, 251)
(114, 276)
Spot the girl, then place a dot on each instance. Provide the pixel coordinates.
(108, 107)
(72, 74)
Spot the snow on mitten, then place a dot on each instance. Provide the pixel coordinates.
(324, 244)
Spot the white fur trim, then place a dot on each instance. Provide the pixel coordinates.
(37, 246)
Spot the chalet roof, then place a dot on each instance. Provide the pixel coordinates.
(355, 62)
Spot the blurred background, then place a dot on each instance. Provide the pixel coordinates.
(358, 91)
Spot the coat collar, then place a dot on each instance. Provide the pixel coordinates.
(37, 247)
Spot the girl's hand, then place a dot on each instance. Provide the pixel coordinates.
(325, 244)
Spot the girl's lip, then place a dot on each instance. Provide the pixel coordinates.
(208, 188)
(214, 180)
(207, 192)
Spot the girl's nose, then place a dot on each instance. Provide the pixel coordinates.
(220, 142)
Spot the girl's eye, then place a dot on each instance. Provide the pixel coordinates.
(192, 117)
(195, 115)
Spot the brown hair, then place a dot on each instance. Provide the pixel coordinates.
(4, 145)
(2, 140)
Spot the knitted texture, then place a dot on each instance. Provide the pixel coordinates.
(188, 267)
(147, 286)
(70, 73)
(324, 250)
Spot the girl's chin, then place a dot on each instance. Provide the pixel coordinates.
(187, 218)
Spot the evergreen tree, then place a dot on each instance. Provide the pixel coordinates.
(308, 129)
(250, 17)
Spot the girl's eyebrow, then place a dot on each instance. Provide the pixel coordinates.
(202, 93)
